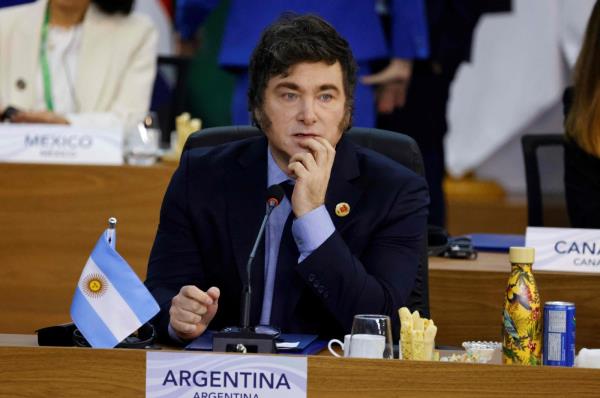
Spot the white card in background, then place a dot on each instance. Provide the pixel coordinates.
(59, 144)
(290, 345)
(565, 249)
(213, 375)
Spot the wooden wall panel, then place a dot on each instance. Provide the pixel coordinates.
(50, 219)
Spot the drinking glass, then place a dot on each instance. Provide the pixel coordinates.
(371, 337)
(141, 143)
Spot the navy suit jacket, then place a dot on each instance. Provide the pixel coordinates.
(211, 214)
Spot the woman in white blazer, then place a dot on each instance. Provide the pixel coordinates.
(88, 63)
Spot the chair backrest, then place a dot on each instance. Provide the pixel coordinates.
(396, 146)
(172, 102)
(530, 144)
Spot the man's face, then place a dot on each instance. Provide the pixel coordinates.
(308, 101)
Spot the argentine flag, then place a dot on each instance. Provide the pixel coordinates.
(110, 301)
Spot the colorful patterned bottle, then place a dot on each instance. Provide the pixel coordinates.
(522, 318)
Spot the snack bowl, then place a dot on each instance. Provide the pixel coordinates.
(484, 351)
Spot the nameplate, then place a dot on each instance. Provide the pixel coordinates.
(565, 249)
(204, 375)
(43, 143)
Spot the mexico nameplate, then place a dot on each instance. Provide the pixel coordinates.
(42, 143)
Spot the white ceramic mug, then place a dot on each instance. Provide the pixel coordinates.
(360, 346)
(343, 346)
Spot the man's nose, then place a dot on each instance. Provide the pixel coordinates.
(307, 113)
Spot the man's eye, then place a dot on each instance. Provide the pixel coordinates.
(290, 96)
(326, 97)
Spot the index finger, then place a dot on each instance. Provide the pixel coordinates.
(329, 149)
(196, 294)
(319, 148)
(325, 142)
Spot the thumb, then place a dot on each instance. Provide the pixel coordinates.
(375, 78)
(214, 293)
(398, 70)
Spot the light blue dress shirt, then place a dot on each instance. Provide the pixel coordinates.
(309, 232)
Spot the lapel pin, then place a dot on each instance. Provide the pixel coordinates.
(342, 209)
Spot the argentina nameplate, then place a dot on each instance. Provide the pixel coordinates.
(206, 375)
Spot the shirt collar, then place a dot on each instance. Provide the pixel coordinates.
(274, 174)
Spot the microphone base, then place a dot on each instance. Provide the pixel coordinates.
(244, 342)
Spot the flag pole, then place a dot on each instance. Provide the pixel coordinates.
(111, 233)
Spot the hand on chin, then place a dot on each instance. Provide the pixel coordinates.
(312, 168)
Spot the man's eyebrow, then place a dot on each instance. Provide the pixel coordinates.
(290, 85)
(294, 86)
(325, 87)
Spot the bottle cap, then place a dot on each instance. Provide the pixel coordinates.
(521, 255)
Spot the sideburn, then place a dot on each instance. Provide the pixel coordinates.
(346, 122)
(262, 120)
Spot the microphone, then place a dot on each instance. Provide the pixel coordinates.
(247, 340)
(274, 195)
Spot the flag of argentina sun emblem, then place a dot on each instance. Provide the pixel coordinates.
(94, 285)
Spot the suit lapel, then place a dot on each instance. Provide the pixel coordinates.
(245, 185)
(95, 58)
(342, 185)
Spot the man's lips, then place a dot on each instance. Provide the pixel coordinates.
(305, 135)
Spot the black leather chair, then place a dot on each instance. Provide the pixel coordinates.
(530, 144)
(396, 146)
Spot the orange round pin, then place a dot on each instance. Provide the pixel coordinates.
(342, 209)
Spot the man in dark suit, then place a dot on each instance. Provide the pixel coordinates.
(346, 239)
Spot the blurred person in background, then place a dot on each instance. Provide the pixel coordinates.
(357, 20)
(582, 126)
(87, 63)
(422, 114)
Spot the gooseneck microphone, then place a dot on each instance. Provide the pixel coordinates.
(246, 340)
(274, 195)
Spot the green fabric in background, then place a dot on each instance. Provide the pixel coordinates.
(209, 87)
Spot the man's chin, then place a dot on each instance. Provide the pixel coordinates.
(298, 149)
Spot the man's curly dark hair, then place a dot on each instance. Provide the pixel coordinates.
(291, 40)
